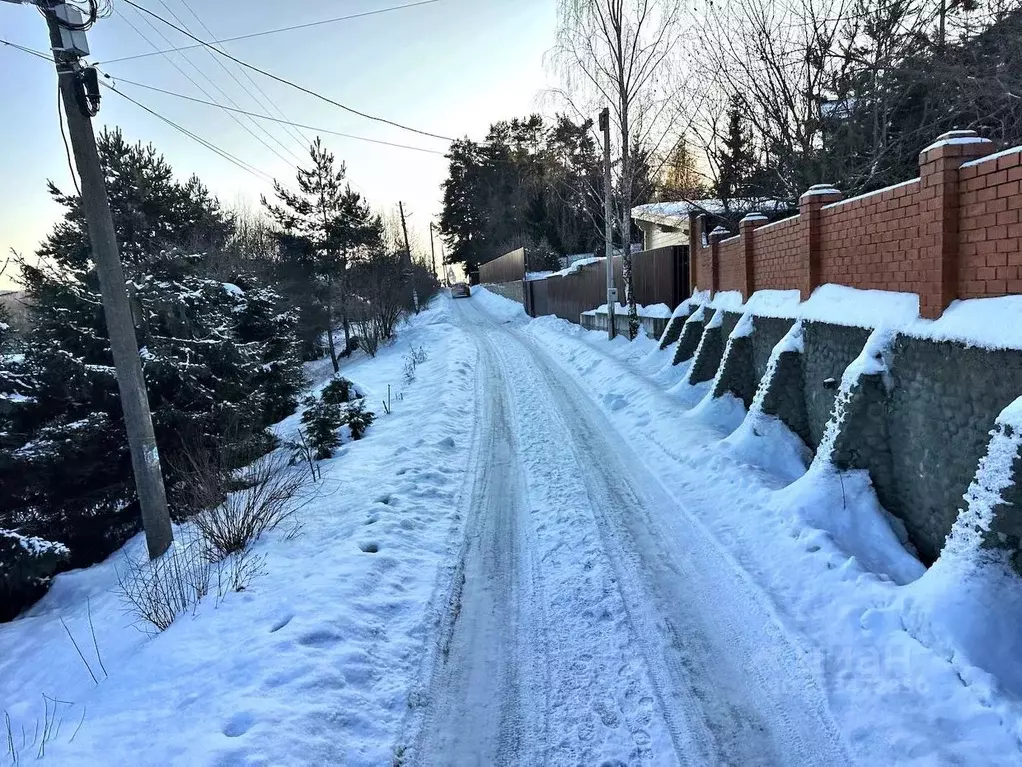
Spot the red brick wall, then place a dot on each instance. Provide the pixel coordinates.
(955, 232)
(703, 268)
(777, 255)
(990, 231)
(732, 262)
(873, 242)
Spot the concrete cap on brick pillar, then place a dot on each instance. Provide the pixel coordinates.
(820, 194)
(963, 144)
(720, 233)
(753, 218)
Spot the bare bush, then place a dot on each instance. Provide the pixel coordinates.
(377, 280)
(158, 590)
(270, 498)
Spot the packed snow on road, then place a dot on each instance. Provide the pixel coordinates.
(546, 553)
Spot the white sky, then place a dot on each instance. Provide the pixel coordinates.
(451, 67)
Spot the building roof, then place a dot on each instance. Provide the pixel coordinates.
(676, 213)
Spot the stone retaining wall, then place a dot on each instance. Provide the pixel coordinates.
(920, 429)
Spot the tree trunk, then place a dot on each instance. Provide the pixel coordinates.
(626, 221)
(330, 323)
(344, 302)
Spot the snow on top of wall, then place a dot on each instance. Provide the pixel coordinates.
(988, 323)
(957, 141)
(774, 303)
(537, 275)
(727, 299)
(842, 305)
(575, 266)
(819, 189)
(658, 311)
(662, 311)
(660, 211)
(992, 157)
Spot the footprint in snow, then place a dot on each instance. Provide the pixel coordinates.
(614, 401)
(447, 442)
(280, 623)
(239, 724)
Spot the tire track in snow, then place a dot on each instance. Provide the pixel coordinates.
(474, 707)
(734, 689)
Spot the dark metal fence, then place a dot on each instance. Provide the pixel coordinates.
(659, 276)
(507, 268)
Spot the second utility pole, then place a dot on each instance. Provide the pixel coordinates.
(608, 224)
(407, 260)
(432, 253)
(138, 422)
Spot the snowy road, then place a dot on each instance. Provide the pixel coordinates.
(593, 621)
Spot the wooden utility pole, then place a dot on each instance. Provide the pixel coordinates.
(432, 253)
(138, 423)
(608, 224)
(407, 265)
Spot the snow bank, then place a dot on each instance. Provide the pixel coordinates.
(843, 502)
(313, 662)
(764, 439)
(504, 308)
(970, 601)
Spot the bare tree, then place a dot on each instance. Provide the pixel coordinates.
(621, 53)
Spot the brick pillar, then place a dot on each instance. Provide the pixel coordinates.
(810, 205)
(695, 242)
(746, 227)
(939, 210)
(718, 234)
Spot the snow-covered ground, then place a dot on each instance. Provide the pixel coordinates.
(312, 663)
(545, 555)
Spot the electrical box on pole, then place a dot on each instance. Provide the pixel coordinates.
(73, 41)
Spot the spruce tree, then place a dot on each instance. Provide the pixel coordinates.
(220, 360)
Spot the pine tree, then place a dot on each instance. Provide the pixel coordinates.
(316, 217)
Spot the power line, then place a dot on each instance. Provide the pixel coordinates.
(37, 54)
(208, 144)
(284, 81)
(192, 80)
(238, 82)
(247, 167)
(299, 136)
(270, 118)
(271, 31)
